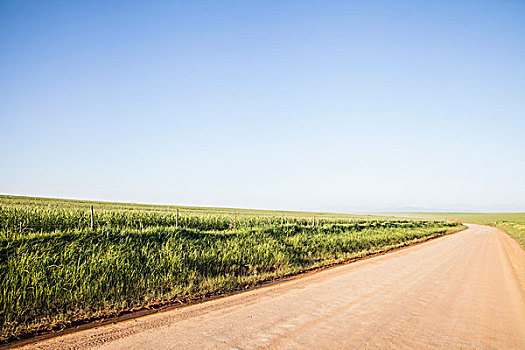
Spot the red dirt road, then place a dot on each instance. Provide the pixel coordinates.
(466, 291)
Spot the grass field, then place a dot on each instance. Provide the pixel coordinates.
(512, 223)
(55, 270)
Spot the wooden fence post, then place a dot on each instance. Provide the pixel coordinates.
(313, 221)
(92, 220)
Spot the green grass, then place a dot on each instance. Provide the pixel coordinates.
(512, 223)
(55, 270)
(71, 204)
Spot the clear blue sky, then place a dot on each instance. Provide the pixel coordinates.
(310, 105)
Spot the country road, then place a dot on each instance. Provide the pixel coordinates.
(465, 290)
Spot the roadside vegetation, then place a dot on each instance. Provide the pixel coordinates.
(55, 270)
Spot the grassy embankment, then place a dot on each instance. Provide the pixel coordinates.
(55, 270)
(512, 223)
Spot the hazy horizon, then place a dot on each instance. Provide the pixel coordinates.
(407, 210)
(314, 106)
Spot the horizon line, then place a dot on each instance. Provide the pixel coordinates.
(357, 212)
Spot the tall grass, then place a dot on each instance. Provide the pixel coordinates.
(19, 221)
(54, 269)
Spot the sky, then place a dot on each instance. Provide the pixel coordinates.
(347, 106)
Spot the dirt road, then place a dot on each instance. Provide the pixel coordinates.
(461, 291)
